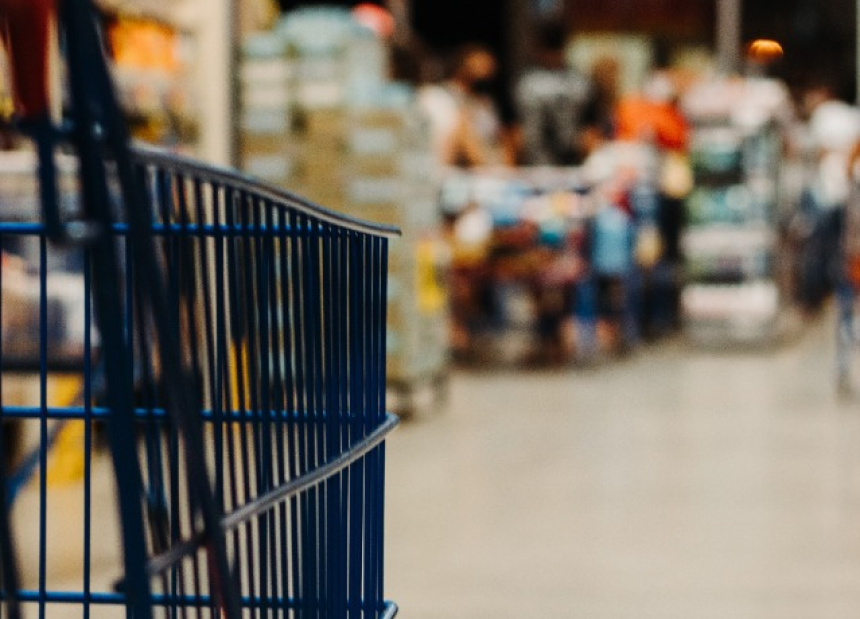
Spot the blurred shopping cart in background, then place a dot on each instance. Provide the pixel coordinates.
(231, 343)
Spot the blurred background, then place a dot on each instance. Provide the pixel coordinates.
(621, 326)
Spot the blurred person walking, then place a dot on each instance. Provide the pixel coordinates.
(600, 116)
(467, 128)
(833, 129)
(653, 118)
(552, 101)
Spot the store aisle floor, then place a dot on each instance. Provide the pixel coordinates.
(673, 484)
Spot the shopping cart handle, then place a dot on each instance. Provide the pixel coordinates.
(25, 29)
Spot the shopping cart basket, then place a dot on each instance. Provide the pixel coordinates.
(233, 348)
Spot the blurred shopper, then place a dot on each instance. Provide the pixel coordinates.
(467, 128)
(600, 117)
(552, 100)
(468, 132)
(848, 285)
(654, 119)
(833, 131)
(653, 116)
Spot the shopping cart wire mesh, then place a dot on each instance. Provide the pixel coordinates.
(233, 345)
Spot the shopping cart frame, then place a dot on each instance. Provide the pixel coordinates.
(98, 135)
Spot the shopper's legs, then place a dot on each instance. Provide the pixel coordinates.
(631, 307)
(585, 316)
(844, 335)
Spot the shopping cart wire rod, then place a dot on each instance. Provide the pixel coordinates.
(161, 414)
(87, 82)
(88, 434)
(157, 599)
(234, 519)
(8, 554)
(119, 229)
(215, 175)
(43, 421)
(179, 387)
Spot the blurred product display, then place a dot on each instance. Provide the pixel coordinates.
(320, 117)
(153, 48)
(598, 202)
(27, 267)
(637, 210)
(555, 264)
(731, 243)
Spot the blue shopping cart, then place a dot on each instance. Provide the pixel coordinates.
(232, 351)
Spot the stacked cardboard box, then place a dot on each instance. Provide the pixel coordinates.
(374, 162)
(354, 143)
(266, 109)
(391, 178)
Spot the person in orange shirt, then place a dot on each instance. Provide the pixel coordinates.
(653, 116)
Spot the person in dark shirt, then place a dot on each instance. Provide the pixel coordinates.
(552, 101)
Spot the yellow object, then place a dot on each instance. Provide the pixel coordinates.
(764, 50)
(66, 459)
(431, 295)
(240, 356)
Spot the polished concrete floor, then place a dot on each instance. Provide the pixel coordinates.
(672, 484)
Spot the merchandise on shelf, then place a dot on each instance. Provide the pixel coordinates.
(27, 265)
(265, 108)
(153, 53)
(731, 242)
(320, 118)
(554, 263)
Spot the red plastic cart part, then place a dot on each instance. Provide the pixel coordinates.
(25, 29)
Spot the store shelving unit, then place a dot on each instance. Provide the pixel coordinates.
(320, 117)
(155, 48)
(732, 292)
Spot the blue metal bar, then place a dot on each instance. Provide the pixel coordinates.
(307, 443)
(44, 135)
(277, 312)
(273, 395)
(314, 328)
(116, 599)
(166, 249)
(292, 488)
(238, 334)
(215, 377)
(157, 599)
(267, 291)
(283, 199)
(382, 322)
(367, 418)
(378, 412)
(188, 269)
(373, 595)
(223, 203)
(336, 563)
(43, 422)
(291, 557)
(255, 424)
(88, 80)
(303, 544)
(140, 414)
(356, 378)
(157, 230)
(342, 306)
(88, 434)
(258, 358)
